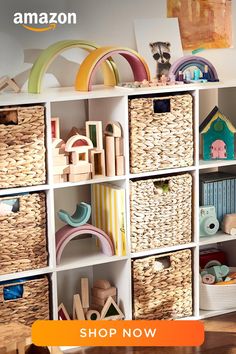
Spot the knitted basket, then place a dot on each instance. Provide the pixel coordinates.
(160, 212)
(22, 146)
(34, 304)
(23, 237)
(162, 293)
(164, 139)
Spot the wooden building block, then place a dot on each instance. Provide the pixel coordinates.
(113, 129)
(93, 315)
(82, 167)
(80, 156)
(60, 170)
(111, 311)
(110, 156)
(76, 142)
(62, 313)
(60, 160)
(85, 293)
(119, 149)
(60, 178)
(72, 132)
(55, 127)
(78, 313)
(14, 337)
(7, 81)
(80, 177)
(58, 152)
(94, 133)
(104, 293)
(97, 158)
(58, 143)
(101, 302)
(120, 165)
(102, 284)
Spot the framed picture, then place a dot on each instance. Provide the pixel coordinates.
(62, 313)
(55, 128)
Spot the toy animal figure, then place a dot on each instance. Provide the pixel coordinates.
(161, 53)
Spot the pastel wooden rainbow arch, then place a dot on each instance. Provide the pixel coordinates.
(110, 72)
(193, 60)
(94, 59)
(67, 233)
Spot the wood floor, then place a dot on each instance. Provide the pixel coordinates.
(220, 338)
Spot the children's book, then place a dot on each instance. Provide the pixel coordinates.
(108, 212)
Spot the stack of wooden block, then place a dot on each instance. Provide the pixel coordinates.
(60, 161)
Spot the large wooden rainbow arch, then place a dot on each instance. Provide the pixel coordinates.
(90, 64)
(39, 68)
(68, 233)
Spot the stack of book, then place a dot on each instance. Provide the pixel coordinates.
(218, 189)
(108, 212)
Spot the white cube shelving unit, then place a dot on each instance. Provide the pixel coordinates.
(83, 259)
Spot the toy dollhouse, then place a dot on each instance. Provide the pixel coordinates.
(218, 136)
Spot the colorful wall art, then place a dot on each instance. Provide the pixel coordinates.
(203, 24)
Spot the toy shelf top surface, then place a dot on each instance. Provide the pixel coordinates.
(100, 91)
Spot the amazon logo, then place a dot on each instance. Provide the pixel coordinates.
(44, 21)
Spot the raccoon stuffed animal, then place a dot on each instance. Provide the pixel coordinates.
(161, 54)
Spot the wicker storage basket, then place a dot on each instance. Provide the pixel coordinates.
(160, 212)
(22, 147)
(160, 140)
(34, 304)
(166, 293)
(23, 240)
(217, 297)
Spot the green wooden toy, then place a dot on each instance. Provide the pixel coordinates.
(218, 137)
(80, 216)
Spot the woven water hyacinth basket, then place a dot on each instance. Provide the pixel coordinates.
(22, 146)
(23, 235)
(162, 293)
(160, 212)
(32, 306)
(164, 139)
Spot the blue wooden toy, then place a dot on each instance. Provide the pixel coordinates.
(219, 272)
(218, 137)
(80, 216)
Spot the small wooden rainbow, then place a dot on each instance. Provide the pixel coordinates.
(192, 60)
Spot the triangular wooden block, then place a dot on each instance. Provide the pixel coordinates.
(7, 81)
(111, 311)
(62, 313)
(78, 313)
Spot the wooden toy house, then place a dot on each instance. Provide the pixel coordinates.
(218, 136)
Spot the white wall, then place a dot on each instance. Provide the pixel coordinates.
(107, 22)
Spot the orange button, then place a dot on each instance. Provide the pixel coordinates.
(118, 333)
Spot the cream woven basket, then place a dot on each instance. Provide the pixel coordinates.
(218, 297)
(161, 212)
(160, 140)
(32, 306)
(22, 147)
(23, 238)
(162, 294)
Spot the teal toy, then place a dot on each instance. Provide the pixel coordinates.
(218, 137)
(80, 216)
(219, 272)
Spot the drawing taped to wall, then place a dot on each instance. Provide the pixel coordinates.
(203, 24)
